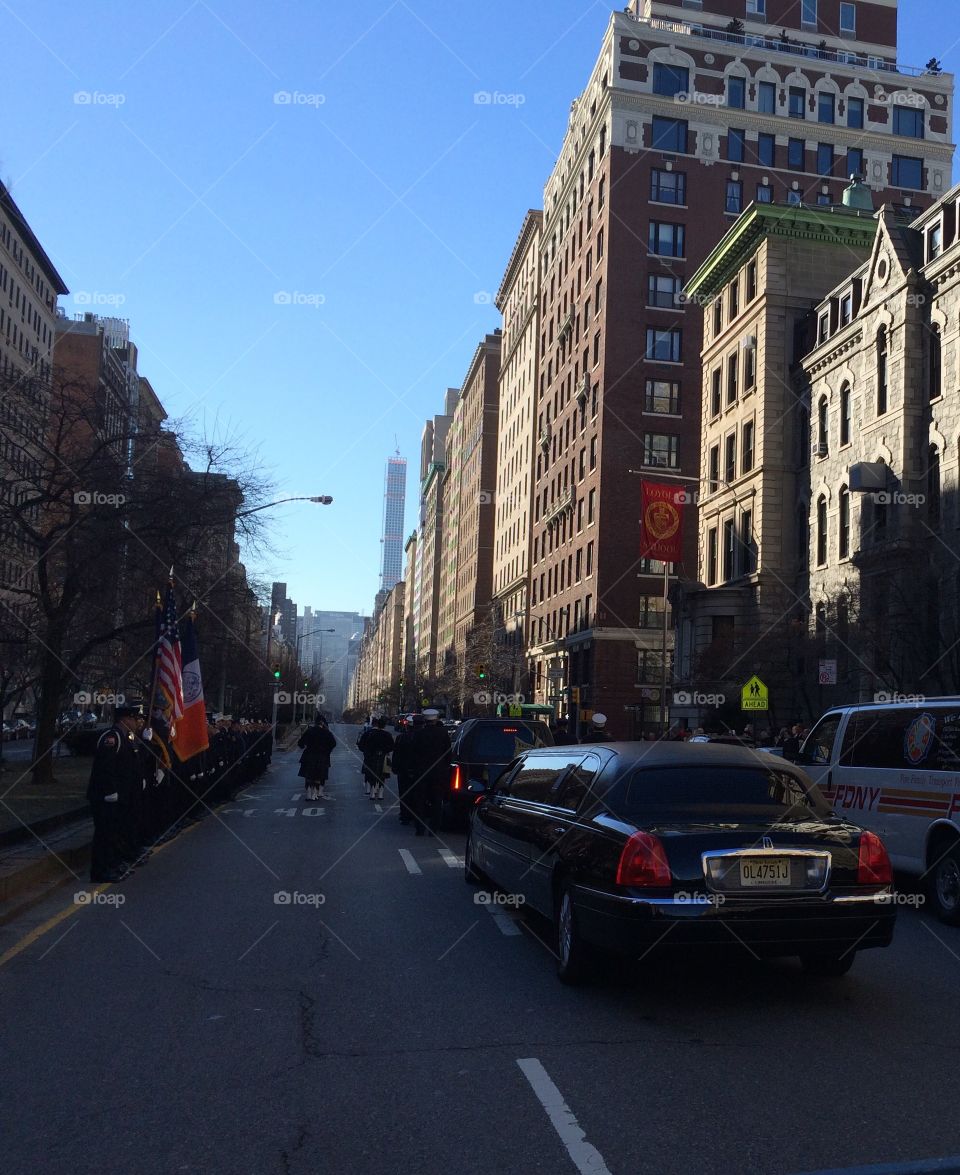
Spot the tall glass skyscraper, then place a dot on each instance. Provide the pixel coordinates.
(394, 500)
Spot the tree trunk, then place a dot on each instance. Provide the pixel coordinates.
(48, 707)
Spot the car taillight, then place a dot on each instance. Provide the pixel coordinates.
(455, 782)
(643, 862)
(873, 866)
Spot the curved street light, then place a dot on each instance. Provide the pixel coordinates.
(320, 499)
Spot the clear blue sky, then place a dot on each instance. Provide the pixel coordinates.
(381, 198)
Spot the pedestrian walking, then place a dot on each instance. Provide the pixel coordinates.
(317, 743)
(561, 733)
(375, 744)
(115, 776)
(791, 744)
(431, 754)
(597, 731)
(404, 766)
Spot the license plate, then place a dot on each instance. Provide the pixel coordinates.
(758, 872)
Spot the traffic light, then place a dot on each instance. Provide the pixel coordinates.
(276, 673)
(481, 673)
(306, 685)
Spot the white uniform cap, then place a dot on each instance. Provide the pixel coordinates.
(431, 713)
(599, 720)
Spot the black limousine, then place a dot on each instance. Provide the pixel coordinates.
(637, 848)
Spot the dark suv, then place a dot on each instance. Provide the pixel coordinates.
(480, 749)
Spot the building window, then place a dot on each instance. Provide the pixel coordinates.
(843, 523)
(822, 431)
(764, 194)
(749, 367)
(670, 80)
(591, 505)
(730, 458)
(736, 145)
(855, 113)
(797, 102)
(846, 309)
(908, 121)
(717, 316)
(729, 550)
(737, 92)
(767, 97)
(808, 12)
(734, 198)
(716, 382)
(589, 559)
(796, 154)
(747, 560)
(734, 299)
(933, 485)
(662, 396)
(668, 187)
(746, 458)
(593, 452)
(855, 161)
(934, 242)
(934, 362)
(846, 414)
(756, 7)
(794, 197)
(821, 531)
(824, 199)
(661, 450)
(713, 480)
(825, 159)
(651, 612)
(711, 556)
(663, 292)
(826, 108)
(732, 389)
(665, 240)
(848, 20)
(907, 172)
(663, 346)
(767, 150)
(751, 281)
(881, 371)
(669, 134)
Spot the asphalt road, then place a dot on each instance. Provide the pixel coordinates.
(381, 1021)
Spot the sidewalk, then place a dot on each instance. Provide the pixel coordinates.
(23, 803)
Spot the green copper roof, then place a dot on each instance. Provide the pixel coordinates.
(836, 226)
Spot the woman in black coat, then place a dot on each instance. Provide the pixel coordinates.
(316, 742)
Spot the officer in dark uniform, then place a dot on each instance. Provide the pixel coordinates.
(431, 755)
(404, 765)
(115, 777)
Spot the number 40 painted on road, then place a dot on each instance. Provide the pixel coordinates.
(293, 812)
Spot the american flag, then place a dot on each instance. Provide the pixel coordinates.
(168, 665)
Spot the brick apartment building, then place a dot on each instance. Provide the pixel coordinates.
(433, 459)
(685, 121)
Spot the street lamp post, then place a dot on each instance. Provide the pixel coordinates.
(320, 499)
(303, 636)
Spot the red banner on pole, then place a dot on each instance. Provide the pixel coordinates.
(661, 522)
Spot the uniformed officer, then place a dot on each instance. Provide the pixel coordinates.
(430, 752)
(115, 777)
(597, 731)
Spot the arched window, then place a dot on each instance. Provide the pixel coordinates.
(933, 485)
(822, 424)
(821, 531)
(934, 362)
(881, 371)
(843, 522)
(846, 414)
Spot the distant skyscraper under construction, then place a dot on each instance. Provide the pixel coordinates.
(394, 499)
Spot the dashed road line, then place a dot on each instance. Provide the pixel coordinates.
(451, 859)
(408, 859)
(586, 1158)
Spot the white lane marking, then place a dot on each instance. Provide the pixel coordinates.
(312, 812)
(586, 1158)
(451, 859)
(377, 808)
(504, 922)
(407, 857)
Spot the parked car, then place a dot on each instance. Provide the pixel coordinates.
(895, 768)
(646, 848)
(480, 750)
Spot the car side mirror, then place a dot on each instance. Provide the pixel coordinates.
(478, 787)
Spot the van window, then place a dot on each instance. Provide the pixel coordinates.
(537, 777)
(923, 738)
(818, 745)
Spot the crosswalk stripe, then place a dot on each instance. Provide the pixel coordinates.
(451, 859)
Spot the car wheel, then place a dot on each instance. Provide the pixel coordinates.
(574, 958)
(944, 887)
(829, 966)
(471, 875)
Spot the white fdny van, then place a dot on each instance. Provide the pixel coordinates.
(895, 768)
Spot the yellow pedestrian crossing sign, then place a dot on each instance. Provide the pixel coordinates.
(754, 695)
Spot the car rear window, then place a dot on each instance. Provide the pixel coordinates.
(718, 792)
(498, 744)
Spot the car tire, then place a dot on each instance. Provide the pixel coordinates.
(575, 959)
(828, 966)
(471, 875)
(944, 886)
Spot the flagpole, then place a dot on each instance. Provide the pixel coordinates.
(663, 685)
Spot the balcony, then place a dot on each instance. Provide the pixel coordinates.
(775, 45)
(565, 502)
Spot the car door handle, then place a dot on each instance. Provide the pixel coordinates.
(558, 830)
